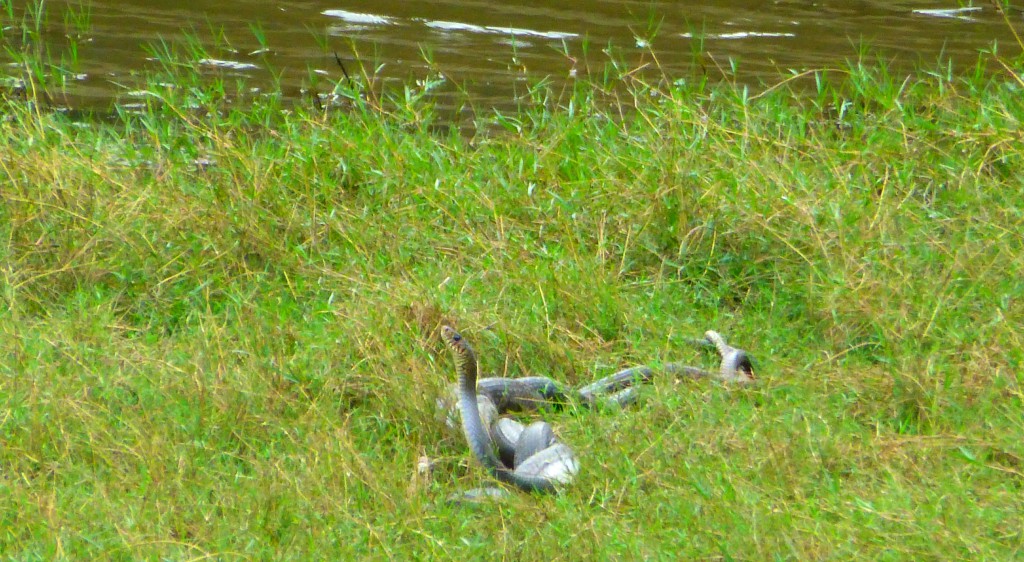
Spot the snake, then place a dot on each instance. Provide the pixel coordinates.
(540, 462)
(498, 395)
(736, 363)
(530, 457)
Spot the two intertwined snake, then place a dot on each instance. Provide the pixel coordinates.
(530, 458)
(539, 463)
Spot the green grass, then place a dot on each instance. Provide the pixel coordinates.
(219, 323)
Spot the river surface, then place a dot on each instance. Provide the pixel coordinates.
(493, 51)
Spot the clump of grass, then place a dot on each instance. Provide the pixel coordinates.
(220, 322)
(42, 52)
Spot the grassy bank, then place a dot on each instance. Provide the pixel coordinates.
(219, 325)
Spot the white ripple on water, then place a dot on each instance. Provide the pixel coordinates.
(739, 35)
(962, 14)
(233, 65)
(358, 18)
(494, 30)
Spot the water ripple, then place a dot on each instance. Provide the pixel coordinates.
(358, 18)
(495, 30)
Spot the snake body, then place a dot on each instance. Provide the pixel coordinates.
(736, 364)
(506, 433)
(539, 472)
(532, 440)
(523, 393)
(530, 457)
(498, 395)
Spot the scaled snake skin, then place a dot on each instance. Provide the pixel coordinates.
(531, 458)
(539, 460)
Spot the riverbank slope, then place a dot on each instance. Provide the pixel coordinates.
(220, 325)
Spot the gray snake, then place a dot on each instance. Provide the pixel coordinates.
(504, 394)
(530, 458)
(545, 461)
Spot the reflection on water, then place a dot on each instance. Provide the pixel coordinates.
(490, 49)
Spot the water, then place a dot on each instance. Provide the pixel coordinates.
(495, 50)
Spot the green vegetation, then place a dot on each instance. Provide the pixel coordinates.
(219, 325)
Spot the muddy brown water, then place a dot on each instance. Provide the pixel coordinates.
(494, 50)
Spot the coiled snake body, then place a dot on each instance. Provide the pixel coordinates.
(530, 458)
(539, 462)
